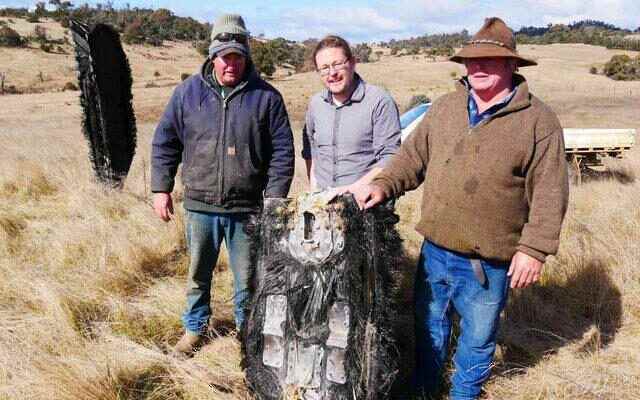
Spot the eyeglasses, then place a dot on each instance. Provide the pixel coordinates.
(324, 71)
(231, 37)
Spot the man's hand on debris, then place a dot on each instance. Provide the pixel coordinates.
(368, 196)
(163, 206)
(524, 270)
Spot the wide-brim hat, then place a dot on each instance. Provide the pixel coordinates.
(494, 39)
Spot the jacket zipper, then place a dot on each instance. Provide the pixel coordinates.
(223, 135)
(223, 145)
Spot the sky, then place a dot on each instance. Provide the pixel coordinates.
(367, 21)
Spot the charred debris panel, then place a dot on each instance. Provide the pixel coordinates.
(319, 325)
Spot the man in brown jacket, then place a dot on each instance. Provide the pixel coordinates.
(491, 156)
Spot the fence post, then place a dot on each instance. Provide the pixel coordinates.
(2, 78)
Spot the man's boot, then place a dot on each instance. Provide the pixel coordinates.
(188, 344)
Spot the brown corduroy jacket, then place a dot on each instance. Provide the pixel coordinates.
(490, 190)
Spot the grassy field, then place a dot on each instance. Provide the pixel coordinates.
(91, 283)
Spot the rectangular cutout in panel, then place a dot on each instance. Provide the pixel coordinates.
(275, 315)
(339, 320)
(304, 365)
(336, 371)
(273, 352)
(312, 394)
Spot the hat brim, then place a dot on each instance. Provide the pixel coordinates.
(485, 50)
(231, 50)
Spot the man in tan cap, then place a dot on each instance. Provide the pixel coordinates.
(230, 130)
(491, 156)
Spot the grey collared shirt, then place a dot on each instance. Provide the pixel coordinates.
(346, 141)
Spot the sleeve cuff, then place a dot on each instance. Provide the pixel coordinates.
(274, 194)
(538, 255)
(162, 187)
(387, 189)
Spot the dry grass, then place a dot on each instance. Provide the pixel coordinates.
(91, 284)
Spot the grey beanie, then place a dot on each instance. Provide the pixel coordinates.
(233, 24)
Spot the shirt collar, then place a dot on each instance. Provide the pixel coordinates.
(356, 96)
(475, 117)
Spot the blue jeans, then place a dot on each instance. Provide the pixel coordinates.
(445, 282)
(205, 232)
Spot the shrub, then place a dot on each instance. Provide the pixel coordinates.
(153, 40)
(46, 47)
(69, 86)
(621, 67)
(593, 70)
(10, 38)
(156, 73)
(362, 53)
(33, 18)
(184, 76)
(416, 100)
(263, 58)
(133, 33)
(40, 33)
(12, 89)
(446, 51)
(202, 46)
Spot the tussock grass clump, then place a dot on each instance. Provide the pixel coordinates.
(83, 314)
(151, 382)
(11, 228)
(112, 368)
(215, 372)
(135, 266)
(30, 183)
(158, 329)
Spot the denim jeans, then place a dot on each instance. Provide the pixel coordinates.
(205, 232)
(446, 283)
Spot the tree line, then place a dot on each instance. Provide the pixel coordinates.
(137, 25)
(593, 32)
(153, 27)
(428, 44)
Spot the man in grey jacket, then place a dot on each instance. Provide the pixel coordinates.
(230, 130)
(352, 127)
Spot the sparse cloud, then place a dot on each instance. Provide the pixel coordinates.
(375, 20)
(358, 24)
(623, 13)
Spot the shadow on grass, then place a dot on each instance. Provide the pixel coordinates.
(619, 174)
(403, 321)
(221, 328)
(585, 310)
(153, 383)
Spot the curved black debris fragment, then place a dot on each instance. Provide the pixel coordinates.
(105, 82)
